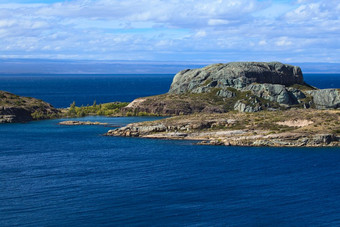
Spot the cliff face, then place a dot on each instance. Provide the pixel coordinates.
(241, 86)
(14, 108)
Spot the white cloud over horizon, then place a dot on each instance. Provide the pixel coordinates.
(189, 30)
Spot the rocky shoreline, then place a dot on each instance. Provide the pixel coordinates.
(244, 129)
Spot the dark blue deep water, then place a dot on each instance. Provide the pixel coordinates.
(53, 175)
(62, 90)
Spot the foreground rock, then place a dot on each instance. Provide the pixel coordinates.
(291, 128)
(241, 86)
(14, 108)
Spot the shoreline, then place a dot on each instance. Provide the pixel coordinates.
(299, 128)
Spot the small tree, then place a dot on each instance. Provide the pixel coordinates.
(72, 110)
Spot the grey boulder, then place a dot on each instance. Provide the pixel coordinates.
(326, 98)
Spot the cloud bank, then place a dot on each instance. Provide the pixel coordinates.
(172, 30)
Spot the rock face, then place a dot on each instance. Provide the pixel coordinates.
(14, 108)
(326, 98)
(236, 74)
(14, 114)
(276, 93)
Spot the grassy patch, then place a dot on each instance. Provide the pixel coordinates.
(303, 87)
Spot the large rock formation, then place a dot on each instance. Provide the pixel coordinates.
(14, 108)
(236, 74)
(241, 86)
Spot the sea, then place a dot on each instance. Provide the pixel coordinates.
(54, 175)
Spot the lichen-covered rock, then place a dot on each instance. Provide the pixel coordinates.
(236, 74)
(242, 107)
(326, 98)
(275, 93)
(225, 93)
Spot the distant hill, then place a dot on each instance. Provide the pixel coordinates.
(29, 66)
(41, 66)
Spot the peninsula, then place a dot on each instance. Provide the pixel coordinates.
(241, 103)
(238, 103)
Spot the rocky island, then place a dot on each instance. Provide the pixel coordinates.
(241, 103)
(14, 108)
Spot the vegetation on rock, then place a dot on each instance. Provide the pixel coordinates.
(105, 109)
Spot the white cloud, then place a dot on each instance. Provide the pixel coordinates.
(283, 42)
(262, 42)
(147, 28)
(214, 22)
(201, 34)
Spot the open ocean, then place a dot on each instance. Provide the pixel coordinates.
(53, 175)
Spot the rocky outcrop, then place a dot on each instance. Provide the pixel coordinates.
(326, 98)
(14, 108)
(276, 93)
(247, 108)
(236, 74)
(241, 86)
(135, 130)
(82, 123)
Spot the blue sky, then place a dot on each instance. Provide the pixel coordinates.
(171, 30)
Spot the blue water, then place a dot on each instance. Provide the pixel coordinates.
(53, 175)
(62, 90)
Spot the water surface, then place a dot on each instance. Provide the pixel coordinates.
(53, 175)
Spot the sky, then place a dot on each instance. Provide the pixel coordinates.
(171, 30)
